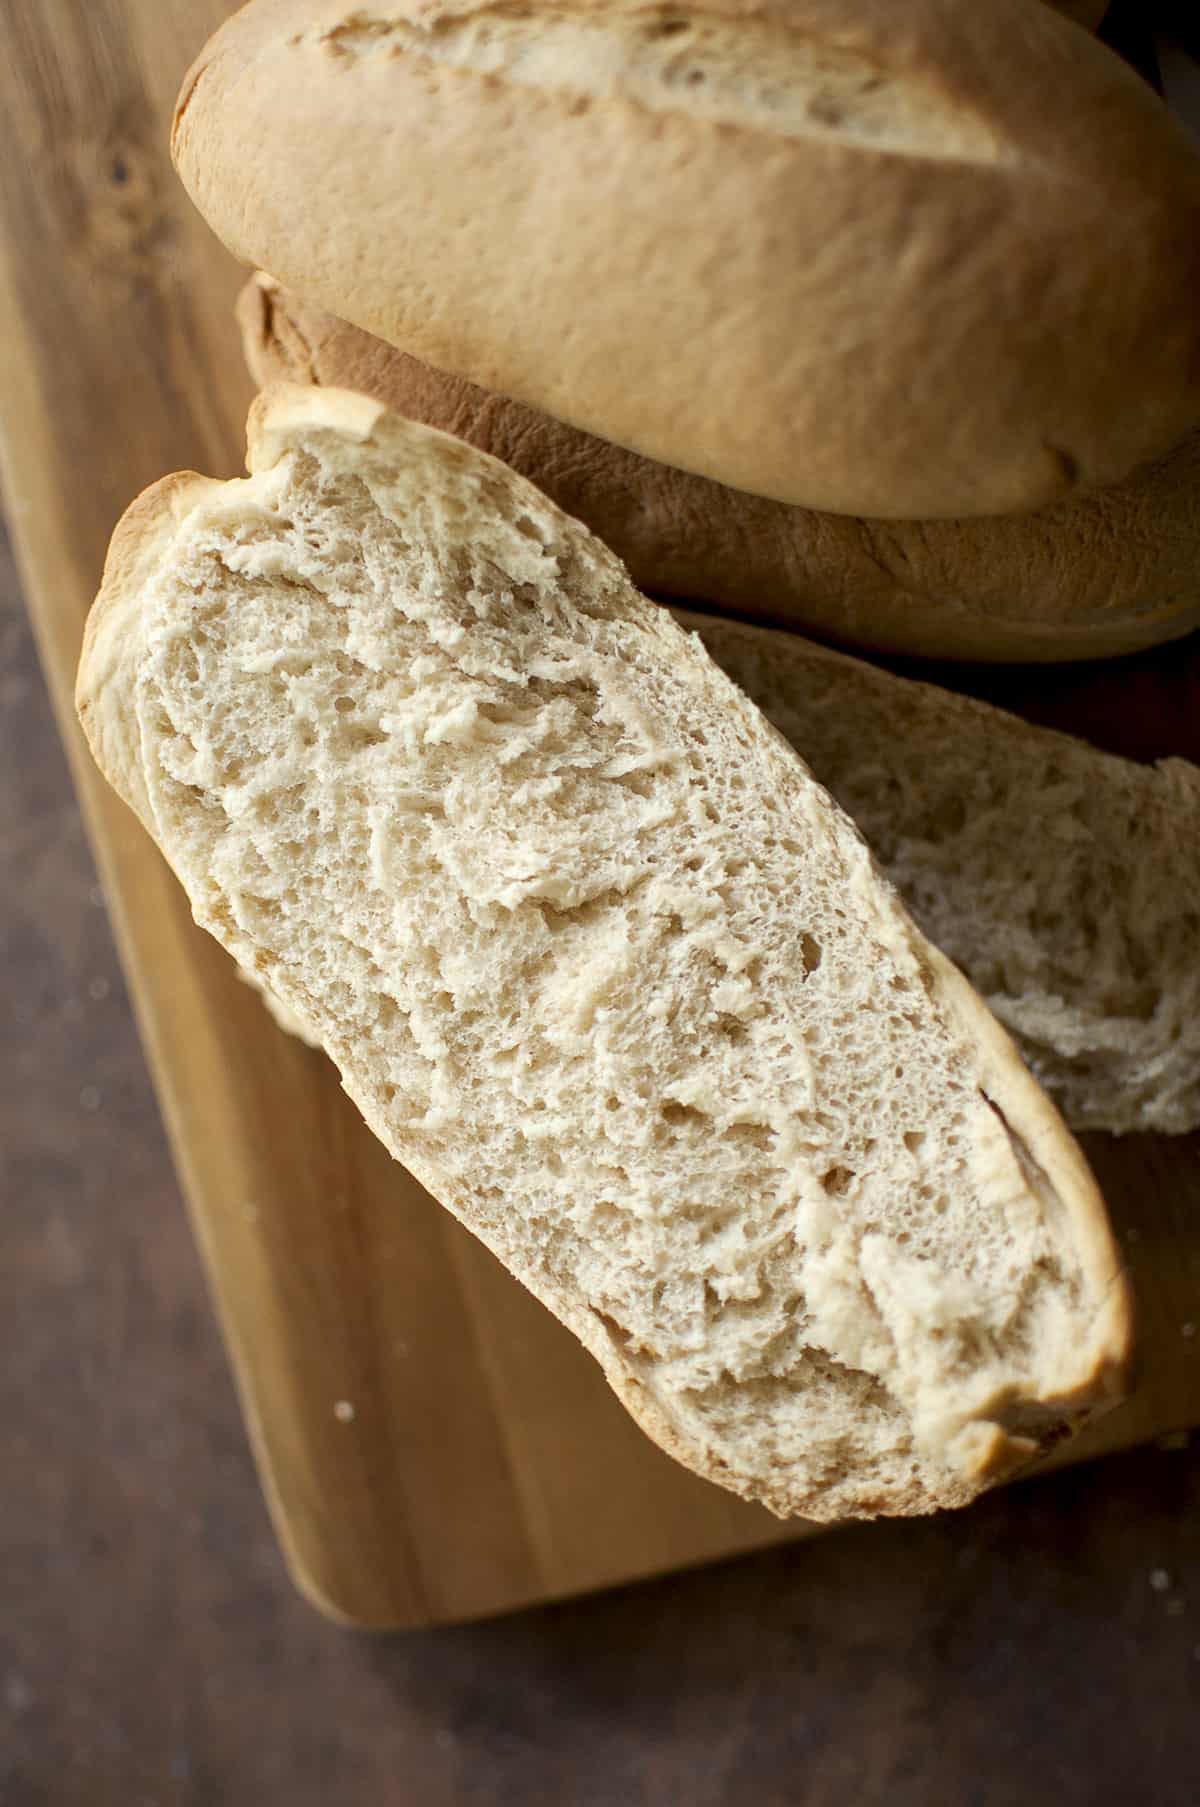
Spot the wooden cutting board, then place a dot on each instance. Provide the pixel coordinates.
(433, 1445)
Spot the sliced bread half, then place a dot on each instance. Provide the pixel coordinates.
(602, 964)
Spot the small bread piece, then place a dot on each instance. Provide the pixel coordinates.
(1106, 572)
(602, 964)
(1063, 881)
(895, 260)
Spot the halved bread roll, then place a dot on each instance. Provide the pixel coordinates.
(602, 964)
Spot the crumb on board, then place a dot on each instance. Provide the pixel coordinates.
(343, 1411)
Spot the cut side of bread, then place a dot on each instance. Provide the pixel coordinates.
(1063, 881)
(602, 964)
(1011, 845)
(1101, 573)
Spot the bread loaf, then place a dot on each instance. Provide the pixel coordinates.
(920, 260)
(602, 964)
(1097, 574)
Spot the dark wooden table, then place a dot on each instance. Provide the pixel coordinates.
(1043, 1647)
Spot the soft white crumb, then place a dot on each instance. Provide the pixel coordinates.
(1188, 1329)
(794, 1220)
(1160, 1580)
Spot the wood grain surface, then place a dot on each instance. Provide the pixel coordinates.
(432, 1445)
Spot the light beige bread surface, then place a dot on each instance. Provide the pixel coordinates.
(602, 964)
(1063, 881)
(920, 260)
(1096, 574)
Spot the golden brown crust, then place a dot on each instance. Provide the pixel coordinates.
(1010, 317)
(1103, 573)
